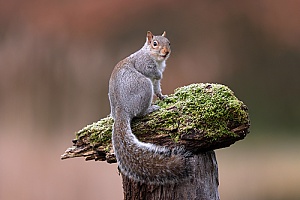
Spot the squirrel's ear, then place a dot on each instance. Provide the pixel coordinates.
(149, 37)
(164, 34)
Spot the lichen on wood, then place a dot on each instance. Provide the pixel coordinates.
(200, 117)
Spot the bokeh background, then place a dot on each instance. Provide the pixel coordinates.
(55, 62)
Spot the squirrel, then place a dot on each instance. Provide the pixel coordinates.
(132, 85)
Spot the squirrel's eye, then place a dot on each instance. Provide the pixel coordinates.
(155, 43)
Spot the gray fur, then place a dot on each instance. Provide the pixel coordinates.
(132, 85)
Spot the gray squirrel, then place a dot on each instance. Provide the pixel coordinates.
(132, 85)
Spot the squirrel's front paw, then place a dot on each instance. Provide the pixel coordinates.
(161, 96)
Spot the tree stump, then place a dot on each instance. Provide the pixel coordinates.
(200, 117)
(203, 185)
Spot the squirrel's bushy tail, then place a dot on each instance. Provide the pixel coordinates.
(147, 162)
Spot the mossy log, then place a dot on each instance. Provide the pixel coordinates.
(200, 117)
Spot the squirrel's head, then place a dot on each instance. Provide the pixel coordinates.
(159, 46)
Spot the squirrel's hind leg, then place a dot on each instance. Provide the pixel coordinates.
(151, 109)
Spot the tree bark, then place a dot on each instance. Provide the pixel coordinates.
(203, 184)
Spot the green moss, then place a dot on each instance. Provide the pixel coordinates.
(209, 109)
(98, 132)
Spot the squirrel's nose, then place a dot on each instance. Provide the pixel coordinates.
(165, 51)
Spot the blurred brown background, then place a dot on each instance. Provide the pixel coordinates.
(55, 62)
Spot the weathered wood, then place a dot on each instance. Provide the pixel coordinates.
(203, 184)
(200, 117)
